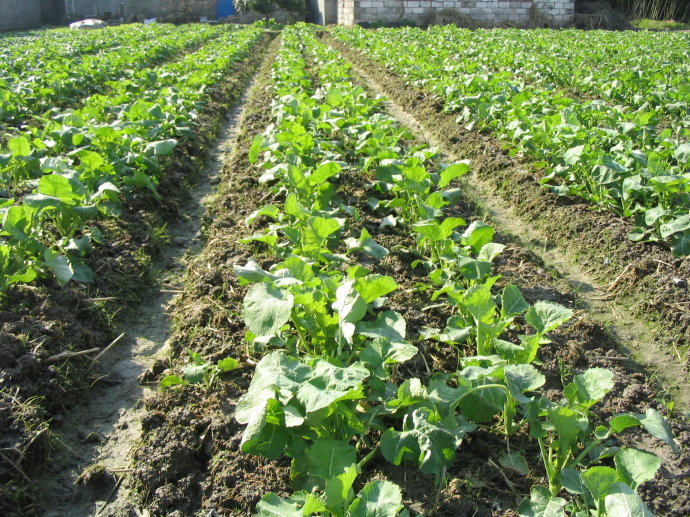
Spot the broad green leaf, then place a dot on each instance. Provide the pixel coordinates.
(266, 434)
(572, 155)
(571, 480)
(228, 364)
(490, 251)
(377, 499)
(389, 325)
(590, 387)
(19, 146)
(472, 269)
(58, 186)
(599, 481)
(381, 352)
(328, 383)
(277, 374)
(679, 224)
(658, 427)
(255, 148)
(522, 378)
(451, 172)
(161, 147)
(271, 211)
(59, 265)
(480, 303)
(328, 458)
(515, 461)
(371, 287)
(636, 466)
(431, 230)
(266, 309)
(272, 505)
(323, 172)
(542, 504)
(477, 235)
(621, 422)
(681, 244)
(623, 501)
(339, 488)
(483, 404)
(429, 444)
(547, 316)
(682, 153)
(512, 301)
(335, 97)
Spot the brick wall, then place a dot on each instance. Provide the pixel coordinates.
(557, 12)
(346, 12)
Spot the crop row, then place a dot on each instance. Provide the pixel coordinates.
(57, 179)
(63, 83)
(643, 70)
(621, 158)
(20, 53)
(328, 391)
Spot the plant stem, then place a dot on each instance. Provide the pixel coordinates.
(368, 457)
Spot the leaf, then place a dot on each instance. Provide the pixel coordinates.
(161, 147)
(255, 148)
(171, 380)
(272, 505)
(328, 383)
(266, 309)
(679, 224)
(339, 489)
(658, 427)
(621, 422)
(323, 172)
(636, 466)
(572, 481)
(451, 172)
(227, 364)
(512, 302)
(572, 155)
(547, 316)
(267, 210)
(371, 287)
(266, 434)
(328, 458)
(515, 461)
(59, 265)
(377, 499)
(483, 404)
(381, 352)
(599, 481)
(542, 504)
(522, 378)
(477, 235)
(335, 97)
(682, 153)
(350, 307)
(371, 247)
(622, 501)
(389, 325)
(19, 146)
(430, 445)
(681, 244)
(276, 375)
(590, 387)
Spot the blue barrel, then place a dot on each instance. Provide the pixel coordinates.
(224, 8)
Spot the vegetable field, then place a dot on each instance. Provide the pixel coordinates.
(357, 328)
